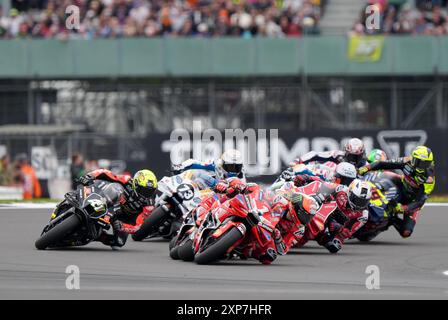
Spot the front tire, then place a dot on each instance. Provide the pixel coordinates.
(185, 251)
(58, 233)
(219, 249)
(154, 220)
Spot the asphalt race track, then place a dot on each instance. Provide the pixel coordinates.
(409, 269)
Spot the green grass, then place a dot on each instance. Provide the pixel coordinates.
(438, 199)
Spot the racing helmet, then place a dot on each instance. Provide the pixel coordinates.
(144, 184)
(376, 155)
(422, 159)
(354, 151)
(344, 173)
(359, 194)
(230, 164)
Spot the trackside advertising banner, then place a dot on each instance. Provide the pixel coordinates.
(268, 152)
(365, 49)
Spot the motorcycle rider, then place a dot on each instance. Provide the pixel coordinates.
(128, 195)
(229, 165)
(415, 185)
(225, 190)
(351, 215)
(354, 153)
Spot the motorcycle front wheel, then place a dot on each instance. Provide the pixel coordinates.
(58, 232)
(218, 250)
(148, 226)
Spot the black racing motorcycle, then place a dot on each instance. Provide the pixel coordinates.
(382, 213)
(78, 220)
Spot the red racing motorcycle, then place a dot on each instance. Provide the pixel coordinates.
(315, 225)
(240, 225)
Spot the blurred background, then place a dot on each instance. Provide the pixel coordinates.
(108, 91)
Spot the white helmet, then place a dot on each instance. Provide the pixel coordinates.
(344, 173)
(359, 194)
(354, 151)
(230, 164)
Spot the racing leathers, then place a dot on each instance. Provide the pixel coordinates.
(226, 190)
(125, 206)
(343, 223)
(412, 195)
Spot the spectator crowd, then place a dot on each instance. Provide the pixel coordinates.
(153, 18)
(427, 17)
(20, 173)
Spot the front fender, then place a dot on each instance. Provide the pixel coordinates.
(226, 227)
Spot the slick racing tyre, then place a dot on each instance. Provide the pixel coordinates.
(185, 250)
(173, 242)
(148, 226)
(58, 232)
(219, 248)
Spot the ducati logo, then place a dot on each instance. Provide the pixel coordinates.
(397, 143)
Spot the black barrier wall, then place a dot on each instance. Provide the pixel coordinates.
(272, 151)
(160, 150)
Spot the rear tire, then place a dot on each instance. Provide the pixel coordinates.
(149, 224)
(58, 233)
(218, 249)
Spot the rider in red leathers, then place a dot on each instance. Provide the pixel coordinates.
(351, 215)
(230, 188)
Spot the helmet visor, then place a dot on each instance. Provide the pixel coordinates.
(145, 192)
(343, 180)
(232, 168)
(357, 202)
(420, 164)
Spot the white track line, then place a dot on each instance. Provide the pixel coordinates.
(446, 273)
(436, 204)
(28, 206)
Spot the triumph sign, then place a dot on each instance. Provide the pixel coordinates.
(264, 152)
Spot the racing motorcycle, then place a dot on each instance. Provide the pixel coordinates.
(382, 206)
(176, 197)
(78, 220)
(315, 225)
(233, 228)
(181, 246)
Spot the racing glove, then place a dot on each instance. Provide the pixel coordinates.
(85, 179)
(221, 187)
(363, 170)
